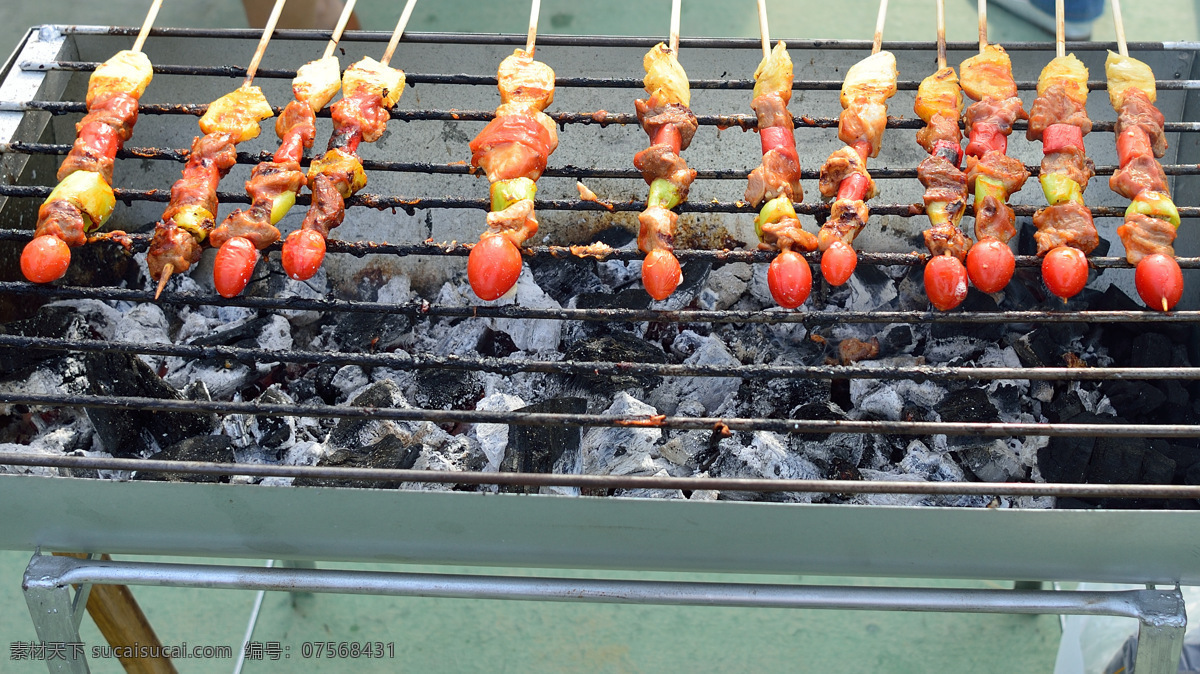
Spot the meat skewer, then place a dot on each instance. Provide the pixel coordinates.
(939, 100)
(274, 184)
(512, 150)
(83, 199)
(992, 175)
(777, 180)
(370, 89)
(1058, 117)
(1152, 219)
(190, 215)
(865, 91)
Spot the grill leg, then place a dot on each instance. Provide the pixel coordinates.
(56, 618)
(1160, 633)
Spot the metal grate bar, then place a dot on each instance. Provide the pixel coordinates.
(403, 361)
(990, 429)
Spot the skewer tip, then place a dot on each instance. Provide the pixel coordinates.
(1165, 306)
(165, 276)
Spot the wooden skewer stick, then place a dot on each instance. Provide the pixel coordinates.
(941, 33)
(404, 16)
(167, 270)
(673, 42)
(339, 28)
(268, 31)
(1060, 28)
(533, 21)
(1122, 48)
(875, 46)
(763, 29)
(982, 25)
(149, 21)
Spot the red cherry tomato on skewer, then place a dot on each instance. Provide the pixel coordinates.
(661, 273)
(1159, 281)
(789, 279)
(838, 263)
(1065, 271)
(45, 259)
(234, 265)
(303, 253)
(493, 267)
(990, 264)
(945, 282)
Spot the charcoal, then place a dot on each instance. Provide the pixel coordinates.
(930, 465)
(391, 452)
(1184, 456)
(448, 389)
(992, 462)
(632, 298)
(203, 448)
(1132, 398)
(100, 265)
(969, 405)
(272, 432)
(1065, 406)
(615, 236)
(616, 347)
(623, 450)
(493, 438)
(1193, 475)
(1157, 468)
(1017, 295)
(1116, 460)
(975, 302)
(382, 394)
(1026, 243)
(774, 398)
(243, 333)
(495, 343)
(1115, 299)
(896, 339)
(50, 322)
(825, 410)
(270, 280)
(563, 280)
(535, 449)
(1152, 349)
(726, 285)
(767, 456)
(376, 332)
(1067, 459)
(322, 378)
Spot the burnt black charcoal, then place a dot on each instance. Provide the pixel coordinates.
(1133, 398)
(1115, 299)
(1116, 460)
(564, 279)
(631, 298)
(121, 430)
(1152, 349)
(1193, 476)
(370, 332)
(1017, 295)
(1102, 248)
(246, 332)
(347, 432)
(614, 236)
(303, 389)
(968, 405)
(1178, 407)
(1064, 407)
(322, 378)
(774, 398)
(1026, 244)
(1157, 468)
(1035, 349)
(975, 302)
(275, 430)
(51, 322)
(822, 410)
(448, 389)
(1184, 456)
(389, 453)
(1066, 459)
(205, 448)
(496, 343)
(535, 449)
(100, 264)
(616, 347)
(695, 274)
(896, 339)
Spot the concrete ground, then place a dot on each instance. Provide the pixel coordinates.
(460, 635)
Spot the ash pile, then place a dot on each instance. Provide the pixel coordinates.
(596, 284)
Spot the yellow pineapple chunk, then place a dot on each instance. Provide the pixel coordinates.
(1126, 73)
(371, 75)
(343, 168)
(317, 82)
(1069, 72)
(774, 74)
(939, 93)
(988, 73)
(126, 72)
(665, 79)
(238, 113)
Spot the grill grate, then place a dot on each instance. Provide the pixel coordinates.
(138, 242)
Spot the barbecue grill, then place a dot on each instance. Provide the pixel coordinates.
(422, 204)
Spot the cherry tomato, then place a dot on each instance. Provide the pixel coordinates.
(493, 266)
(234, 265)
(45, 259)
(945, 282)
(838, 263)
(1065, 271)
(303, 253)
(789, 279)
(1159, 281)
(990, 263)
(661, 274)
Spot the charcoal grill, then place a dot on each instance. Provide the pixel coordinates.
(422, 204)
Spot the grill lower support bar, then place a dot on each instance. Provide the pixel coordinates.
(47, 581)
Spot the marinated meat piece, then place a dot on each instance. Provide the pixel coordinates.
(653, 118)
(62, 219)
(1144, 235)
(657, 228)
(846, 220)
(771, 110)
(173, 245)
(1071, 162)
(943, 181)
(841, 164)
(1067, 224)
(863, 122)
(296, 128)
(84, 158)
(214, 149)
(365, 112)
(946, 238)
(271, 179)
(268, 181)
(1143, 173)
(660, 161)
(328, 208)
(779, 175)
(999, 112)
(511, 146)
(940, 127)
(1056, 107)
(1000, 166)
(1138, 111)
(517, 222)
(197, 187)
(787, 234)
(118, 110)
(996, 219)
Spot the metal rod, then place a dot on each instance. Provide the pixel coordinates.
(763, 485)
(276, 11)
(877, 42)
(147, 23)
(398, 31)
(1060, 31)
(991, 429)
(534, 9)
(763, 30)
(673, 36)
(1119, 22)
(339, 28)
(509, 366)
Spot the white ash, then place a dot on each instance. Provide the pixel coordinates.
(767, 456)
(350, 380)
(103, 317)
(530, 335)
(493, 438)
(710, 392)
(725, 286)
(623, 450)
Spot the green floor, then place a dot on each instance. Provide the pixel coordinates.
(461, 635)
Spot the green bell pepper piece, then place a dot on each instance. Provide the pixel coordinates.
(505, 193)
(1155, 205)
(989, 187)
(663, 193)
(1059, 189)
(773, 211)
